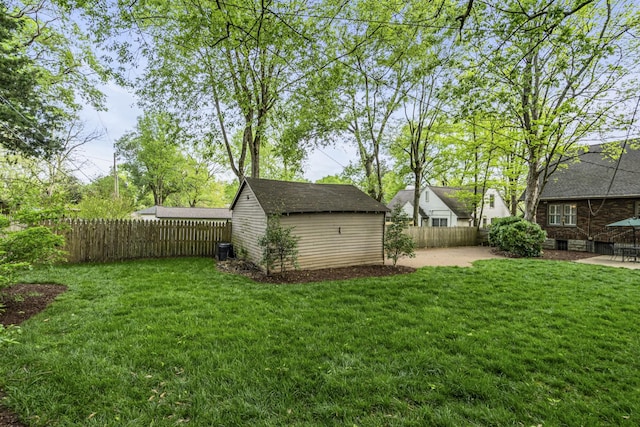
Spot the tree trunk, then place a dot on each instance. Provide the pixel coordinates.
(416, 198)
(532, 194)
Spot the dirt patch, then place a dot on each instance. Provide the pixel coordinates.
(23, 301)
(8, 418)
(556, 255)
(566, 255)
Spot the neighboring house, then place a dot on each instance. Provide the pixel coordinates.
(579, 200)
(196, 214)
(445, 207)
(338, 225)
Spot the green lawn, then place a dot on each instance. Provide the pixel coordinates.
(174, 342)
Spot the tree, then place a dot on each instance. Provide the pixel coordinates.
(279, 245)
(48, 72)
(557, 69)
(417, 144)
(396, 243)
(228, 68)
(377, 72)
(98, 200)
(27, 119)
(152, 155)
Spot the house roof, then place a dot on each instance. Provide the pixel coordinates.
(448, 196)
(283, 197)
(164, 212)
(403, 197)
(595, 172)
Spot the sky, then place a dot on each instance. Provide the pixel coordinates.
(96, 157)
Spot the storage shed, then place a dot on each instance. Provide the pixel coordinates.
(337, 225)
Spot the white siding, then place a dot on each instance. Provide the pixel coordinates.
(499, 209)
(337, 239)
(436, 208)
(408, 209)
(249, 223)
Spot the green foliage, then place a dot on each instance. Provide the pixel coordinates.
(152, 155)
(396, 243)
(33, 216)
(8, 334)
(279, 245)
(33, 245)
(27, 119)
(517, 236)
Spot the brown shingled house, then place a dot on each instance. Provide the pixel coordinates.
(580, 200)
(338, 225)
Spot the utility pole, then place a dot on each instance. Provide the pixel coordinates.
(116, 192)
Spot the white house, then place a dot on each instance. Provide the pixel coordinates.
(447, 207)
(337, 225)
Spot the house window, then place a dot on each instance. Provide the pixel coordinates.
(492, 201)
(570, 215)
(484, 222)
(566, 215)
(555, 215)
(637, 210)
(438, 222)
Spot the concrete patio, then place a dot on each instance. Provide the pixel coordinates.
(464, 256)
(607, 260)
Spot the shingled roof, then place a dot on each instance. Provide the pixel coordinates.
(164, 212)
(283, 197)
(448, 196)
(593, 174)
(403, 197)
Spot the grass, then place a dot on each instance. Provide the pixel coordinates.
(174, 342)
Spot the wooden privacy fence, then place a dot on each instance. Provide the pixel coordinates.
(114, 240)
(443, 237)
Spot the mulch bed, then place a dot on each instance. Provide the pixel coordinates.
(305, 276)
(25, 300)
(555, 255)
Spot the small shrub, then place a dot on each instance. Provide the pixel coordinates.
(36, 245)
(517, 236)
(21, 249)
(396, 243)
(278, 245)
(496, 225)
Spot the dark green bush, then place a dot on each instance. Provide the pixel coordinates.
(35, 245)
(517, 236)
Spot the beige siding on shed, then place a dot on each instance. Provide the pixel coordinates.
(248, 224)
(336, 239)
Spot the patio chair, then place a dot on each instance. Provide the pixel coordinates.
(615, 251)
(628, 253)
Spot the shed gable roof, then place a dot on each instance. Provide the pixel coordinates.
(283, 197)
(594, 173)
